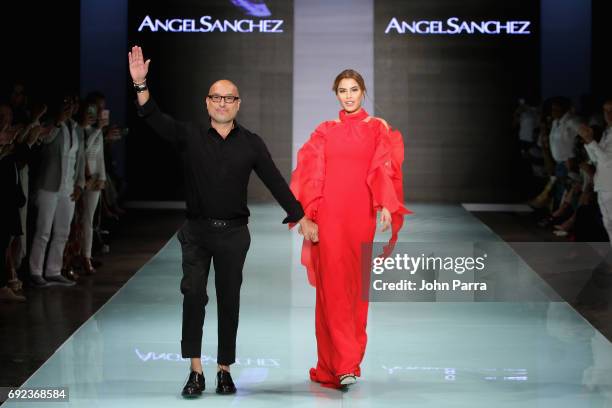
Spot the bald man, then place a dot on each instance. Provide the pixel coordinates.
(217, 159)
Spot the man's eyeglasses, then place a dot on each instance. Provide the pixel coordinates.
(228, 99)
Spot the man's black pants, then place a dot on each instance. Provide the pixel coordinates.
(227, 248)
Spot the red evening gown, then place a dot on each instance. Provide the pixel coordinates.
(348, 169)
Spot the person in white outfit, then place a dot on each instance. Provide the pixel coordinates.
(526, 117)
(95, 174)
(17, 248)
(601, 155)
(563, 134)
(61, 180)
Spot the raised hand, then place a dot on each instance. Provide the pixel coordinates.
(138, 66)
(33, 135)
(39, 111)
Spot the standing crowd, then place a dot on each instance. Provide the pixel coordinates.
(570, 152)
(59, 188)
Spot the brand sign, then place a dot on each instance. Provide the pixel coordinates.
(206, 24)
(456, 26)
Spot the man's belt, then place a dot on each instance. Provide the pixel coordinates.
(216, 223)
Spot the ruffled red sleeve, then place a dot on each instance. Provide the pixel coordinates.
(307, 185)
(309, 175)
(385, 180)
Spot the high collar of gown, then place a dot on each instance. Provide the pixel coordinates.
(353, 117)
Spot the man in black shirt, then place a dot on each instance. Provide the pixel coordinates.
(217, 159)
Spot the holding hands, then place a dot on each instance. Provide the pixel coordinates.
(308, 229)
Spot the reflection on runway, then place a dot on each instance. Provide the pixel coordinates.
(421, 354)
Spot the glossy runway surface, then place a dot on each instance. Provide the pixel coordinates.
(489, 354)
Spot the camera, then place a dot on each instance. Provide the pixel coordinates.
(92, 110)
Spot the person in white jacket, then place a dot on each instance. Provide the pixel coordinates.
(95, 174)
(59, 184)
(601, 155)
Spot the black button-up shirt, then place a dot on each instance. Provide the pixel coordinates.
(217, 170)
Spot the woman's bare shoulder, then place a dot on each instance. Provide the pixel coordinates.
(381, 120)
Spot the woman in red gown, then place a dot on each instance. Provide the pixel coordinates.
(349, 169)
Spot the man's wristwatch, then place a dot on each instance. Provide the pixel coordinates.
(140, 86)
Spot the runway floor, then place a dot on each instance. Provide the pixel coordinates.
(420, 354)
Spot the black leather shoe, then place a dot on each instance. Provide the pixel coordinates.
(225, 385)
(195, 385)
